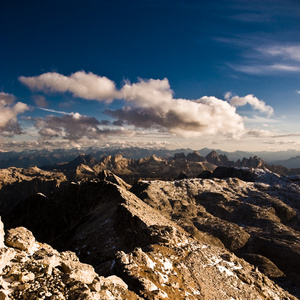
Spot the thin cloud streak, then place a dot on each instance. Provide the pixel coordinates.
(54, 111)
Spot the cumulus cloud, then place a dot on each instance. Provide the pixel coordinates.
(154, 107)
(6, 99)
(150, 104)
(250, 99)
(73, 127)
(9, 125)
(205, 116)
(80, 84)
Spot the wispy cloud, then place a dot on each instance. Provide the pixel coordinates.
(256, 68)
(270, 57)
(285, 52)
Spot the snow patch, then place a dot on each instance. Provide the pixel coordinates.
(167, 264)
(224, 270)
(41, 194)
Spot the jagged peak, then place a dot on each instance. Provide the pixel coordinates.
(212, 154)
(195, 157)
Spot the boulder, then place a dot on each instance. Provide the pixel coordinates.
(79, 271)
(20, 238)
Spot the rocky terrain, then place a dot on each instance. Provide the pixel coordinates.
(33, 270)
(16, 184)
(185, 239)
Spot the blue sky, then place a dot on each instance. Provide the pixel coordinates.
(220, 74)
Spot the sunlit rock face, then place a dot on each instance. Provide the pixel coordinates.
(258, 218)
(182, 239)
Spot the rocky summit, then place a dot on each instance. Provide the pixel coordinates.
(197, 238)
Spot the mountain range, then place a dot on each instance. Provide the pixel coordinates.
(33, 157)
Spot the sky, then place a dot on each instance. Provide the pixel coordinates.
(222, 74)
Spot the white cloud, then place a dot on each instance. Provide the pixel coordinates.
(80, 84)
(150, 104)
(9, 111)
(253, 101)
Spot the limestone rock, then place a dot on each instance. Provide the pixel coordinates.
(6, 255)
(20, 238)
(79, 271)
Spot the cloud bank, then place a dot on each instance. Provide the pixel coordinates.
(149, 104)
(73, 127)
(9, 125)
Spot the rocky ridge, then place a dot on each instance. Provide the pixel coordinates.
(177, 239)
(16, 184)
